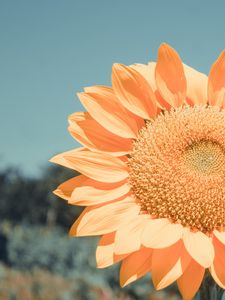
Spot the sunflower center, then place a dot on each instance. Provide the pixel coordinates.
(177, 167)
(205, 157)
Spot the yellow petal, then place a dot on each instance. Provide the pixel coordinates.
(85, 191)
(161, 233)
(128, 236)
(93, 192)
(199, 246)
(105, 251)
(103, 219)
(60, 159)
(151, 230)
(196, 85)
(98, 166)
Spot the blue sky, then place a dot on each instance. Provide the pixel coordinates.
(51, 49)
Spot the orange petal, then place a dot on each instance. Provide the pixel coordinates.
(105, 251)
(135, 266)
(60, 159)
(168, 264)
(128, 236)
(199, 246)
(190, 281)
(162, 104)
(84, 191)
(172, 275)
(196, 85)
(65, 189)
(148, 72)
(98, 166)
(98, 192)
(220, 236)
(95, 137)
(218, 267)
(170, 78)
(216, 83)
(100, 220)
(133, 91)
(105, 108)
(160, 233)
(218, 280)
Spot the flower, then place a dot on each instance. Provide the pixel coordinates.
(153, 171)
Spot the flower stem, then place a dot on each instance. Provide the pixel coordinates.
(209, 290)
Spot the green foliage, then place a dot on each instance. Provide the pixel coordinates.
(37, 250)
(43, 285)
(31, 200)
(30, 247)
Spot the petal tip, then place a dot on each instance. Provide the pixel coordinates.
(73, 232)
(56, 192)
(165, 47)
(54, 159)
(164, 44)
(115, 65)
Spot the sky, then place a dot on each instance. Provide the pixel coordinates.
(52, 49)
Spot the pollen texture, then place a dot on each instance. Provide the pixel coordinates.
(177, 167)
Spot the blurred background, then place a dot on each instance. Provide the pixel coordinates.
(49, 51)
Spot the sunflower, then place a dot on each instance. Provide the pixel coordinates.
(153, 171)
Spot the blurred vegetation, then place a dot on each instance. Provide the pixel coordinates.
(38, 261)
(30, 200)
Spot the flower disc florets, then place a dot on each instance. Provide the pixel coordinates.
(177, 167)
